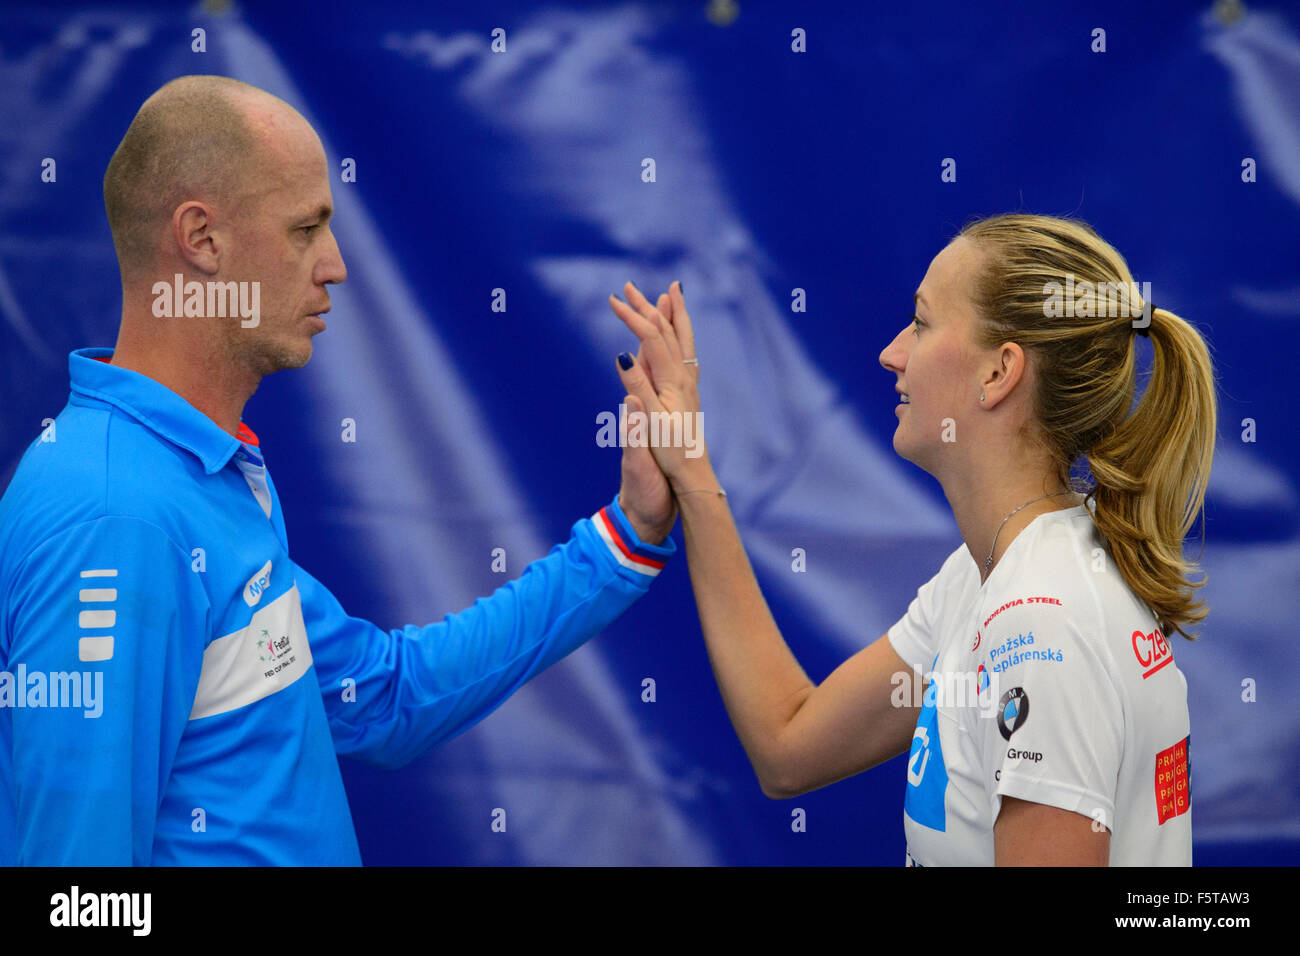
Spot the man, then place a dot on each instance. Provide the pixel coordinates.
(177, 686)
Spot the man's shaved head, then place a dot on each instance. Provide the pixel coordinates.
(228, 187)
(197, 137)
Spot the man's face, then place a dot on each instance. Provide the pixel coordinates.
(935, 360)
(282, 239)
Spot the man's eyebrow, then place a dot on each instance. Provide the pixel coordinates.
(323, 213)
(916, 297)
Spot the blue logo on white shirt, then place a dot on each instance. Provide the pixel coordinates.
(927, 778)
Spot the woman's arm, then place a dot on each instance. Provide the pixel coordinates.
(1035, 834)
(799, 736)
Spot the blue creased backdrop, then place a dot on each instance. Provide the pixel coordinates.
(775, 170)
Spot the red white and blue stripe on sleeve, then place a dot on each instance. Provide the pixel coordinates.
(629, 550)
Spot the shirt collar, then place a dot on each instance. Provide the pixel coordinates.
(156, 407)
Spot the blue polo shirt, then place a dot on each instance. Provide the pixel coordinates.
(174, 689)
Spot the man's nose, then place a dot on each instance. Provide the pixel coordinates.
(331, 269)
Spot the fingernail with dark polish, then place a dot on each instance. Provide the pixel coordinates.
(625, 360)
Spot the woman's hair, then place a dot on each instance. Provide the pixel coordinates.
(1150, 464)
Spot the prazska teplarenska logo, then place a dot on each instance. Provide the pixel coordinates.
(1013, 711)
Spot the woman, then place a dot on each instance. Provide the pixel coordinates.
(1054, 726)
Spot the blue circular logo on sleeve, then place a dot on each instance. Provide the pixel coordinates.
(1013, 711)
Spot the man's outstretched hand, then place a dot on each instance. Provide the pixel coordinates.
(644, 494)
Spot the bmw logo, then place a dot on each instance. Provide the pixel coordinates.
(1013, 711)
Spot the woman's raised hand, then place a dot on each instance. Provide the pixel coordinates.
(662, 385)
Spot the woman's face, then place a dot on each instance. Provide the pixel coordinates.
(935, 360)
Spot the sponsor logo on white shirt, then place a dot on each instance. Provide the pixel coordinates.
(1152, 651)
(1173, 781)
(1016, 650)
(1013, 711)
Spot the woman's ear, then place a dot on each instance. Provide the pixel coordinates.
(1005, 375)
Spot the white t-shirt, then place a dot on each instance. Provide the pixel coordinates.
(1052, 683)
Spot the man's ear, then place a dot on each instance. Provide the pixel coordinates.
(196, 242)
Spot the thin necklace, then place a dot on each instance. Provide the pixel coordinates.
(988, 563)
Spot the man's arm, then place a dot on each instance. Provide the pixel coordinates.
(391, 695)
(105, 626)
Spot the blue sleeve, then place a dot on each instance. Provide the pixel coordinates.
(106, 627)
(391, 695)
